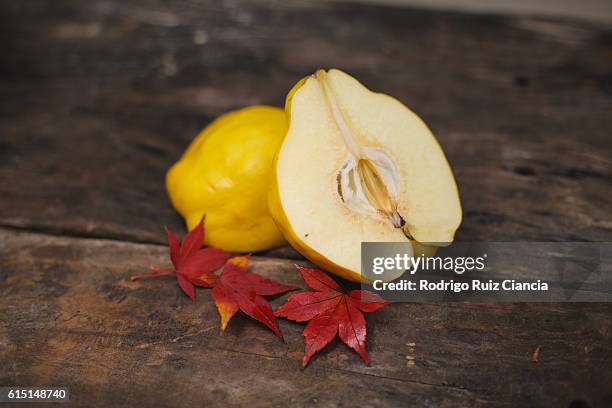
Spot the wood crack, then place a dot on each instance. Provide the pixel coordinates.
(73, 233)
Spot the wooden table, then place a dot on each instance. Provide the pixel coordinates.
(98, 98)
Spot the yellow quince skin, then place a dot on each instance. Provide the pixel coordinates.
(224, 174)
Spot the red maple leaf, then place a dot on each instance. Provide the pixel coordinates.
(193, 265)
(237, 289)
(330, 311)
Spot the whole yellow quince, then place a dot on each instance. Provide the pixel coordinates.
(224, 174)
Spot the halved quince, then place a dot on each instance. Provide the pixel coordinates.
(358, 166)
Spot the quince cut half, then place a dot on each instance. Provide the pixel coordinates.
(358, 166)
(224, 174)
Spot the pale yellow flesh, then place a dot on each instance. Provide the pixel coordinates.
(306, 188)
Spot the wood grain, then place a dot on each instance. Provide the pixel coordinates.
(99, 98)
(70, 316)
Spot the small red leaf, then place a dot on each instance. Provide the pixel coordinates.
(262, 286)
(258, 308)
(205, 280)
(330, 311)
(319, 332)
(226, 304)
(204, 261)
(318, 280)
(237, 265)
(367, 301)
(193, 240)
(187, 286)
(239, 289)
(193, 265)
(352, 327)
(304, 306)
(175, 249)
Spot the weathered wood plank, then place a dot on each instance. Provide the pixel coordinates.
(97, 99)
(69, 316)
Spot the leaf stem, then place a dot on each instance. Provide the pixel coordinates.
(157, 273)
